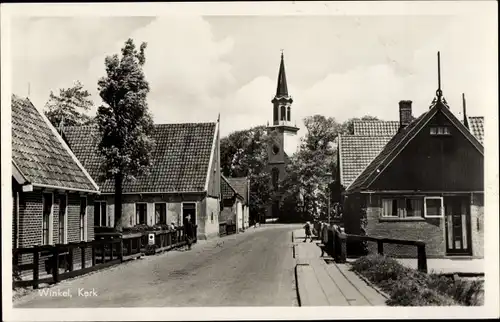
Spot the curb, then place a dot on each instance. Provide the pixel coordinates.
(297, 283)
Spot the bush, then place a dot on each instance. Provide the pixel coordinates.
(408, 287)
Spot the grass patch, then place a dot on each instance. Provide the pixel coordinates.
(409, 287)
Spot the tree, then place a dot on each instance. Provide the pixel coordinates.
(69, 107)
(312, 168)
(244, 154)
(124, 122)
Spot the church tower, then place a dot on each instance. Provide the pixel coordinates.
(283, 137)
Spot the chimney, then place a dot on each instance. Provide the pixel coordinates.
(405, 116)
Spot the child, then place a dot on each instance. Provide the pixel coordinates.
(307, 227)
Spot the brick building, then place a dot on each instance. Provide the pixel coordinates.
(416, 178)
(184, 178)
(52, 194)
(235, 196)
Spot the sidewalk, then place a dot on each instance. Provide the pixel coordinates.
(321, 282)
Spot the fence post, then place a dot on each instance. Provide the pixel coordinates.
(55, 268)
(103, 252)
(82, 250)
(93, 253)
(70, 255)
(36, 262)
(422, 258)
(343, 248)
(112, 244)
(120, 249)
(380, 247)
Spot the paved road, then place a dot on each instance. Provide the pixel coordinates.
(254, 268)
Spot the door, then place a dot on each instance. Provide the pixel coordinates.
(189, 209)
(457, 225)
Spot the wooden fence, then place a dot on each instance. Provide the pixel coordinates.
(108, 249)
(337, 245)
(226, 229)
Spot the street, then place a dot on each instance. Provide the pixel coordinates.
(254, 268)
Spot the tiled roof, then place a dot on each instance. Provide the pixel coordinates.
(228, 192)
(40, 153)
(375, 127)
(476, 126)
(356, 152)
(390, 128)
(180, 159)
(399, 140)
(241, 187)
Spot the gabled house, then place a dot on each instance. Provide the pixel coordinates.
(231, 201)
(235, 195)
(52, 193)
(420, 180)
(242, 187)
(184, 178)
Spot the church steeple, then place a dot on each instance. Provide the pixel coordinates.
(282, 101)
(282, 88)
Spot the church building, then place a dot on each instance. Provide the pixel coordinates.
(284, 139)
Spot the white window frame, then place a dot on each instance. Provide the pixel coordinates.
(441, 209)
(166, 212)
(100, 202)
(85, 218)
(400, 199)
(137, 216)
(65, 237)
(51, 219)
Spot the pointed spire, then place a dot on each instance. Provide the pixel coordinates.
(282, 88)
(466, 120)
(218, 118)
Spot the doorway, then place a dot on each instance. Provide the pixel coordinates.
(457, 225)
(189, 209)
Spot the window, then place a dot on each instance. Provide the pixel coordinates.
(410, 207)
(47, 218)
(212, 218)
(62, 218)
(275, 113)
(275, 177)
(283, 113)
(83, 217)
(141, 212)
(100, 213)
(288, 114)
(440, 130)
(433, 207)
(161, 213)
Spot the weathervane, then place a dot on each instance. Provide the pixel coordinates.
(439, 92)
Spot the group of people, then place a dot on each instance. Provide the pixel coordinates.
(308, 230)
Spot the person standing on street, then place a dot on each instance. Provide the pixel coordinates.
(307, 228)
(188, 230)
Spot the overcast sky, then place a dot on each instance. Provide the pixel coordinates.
(199, 66)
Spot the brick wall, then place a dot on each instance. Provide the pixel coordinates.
(30, 220)
(429, 230)
(228, 214)
(477, 225)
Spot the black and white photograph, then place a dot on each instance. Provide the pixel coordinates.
(235, 160)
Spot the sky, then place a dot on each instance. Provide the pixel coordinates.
(199, 66)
